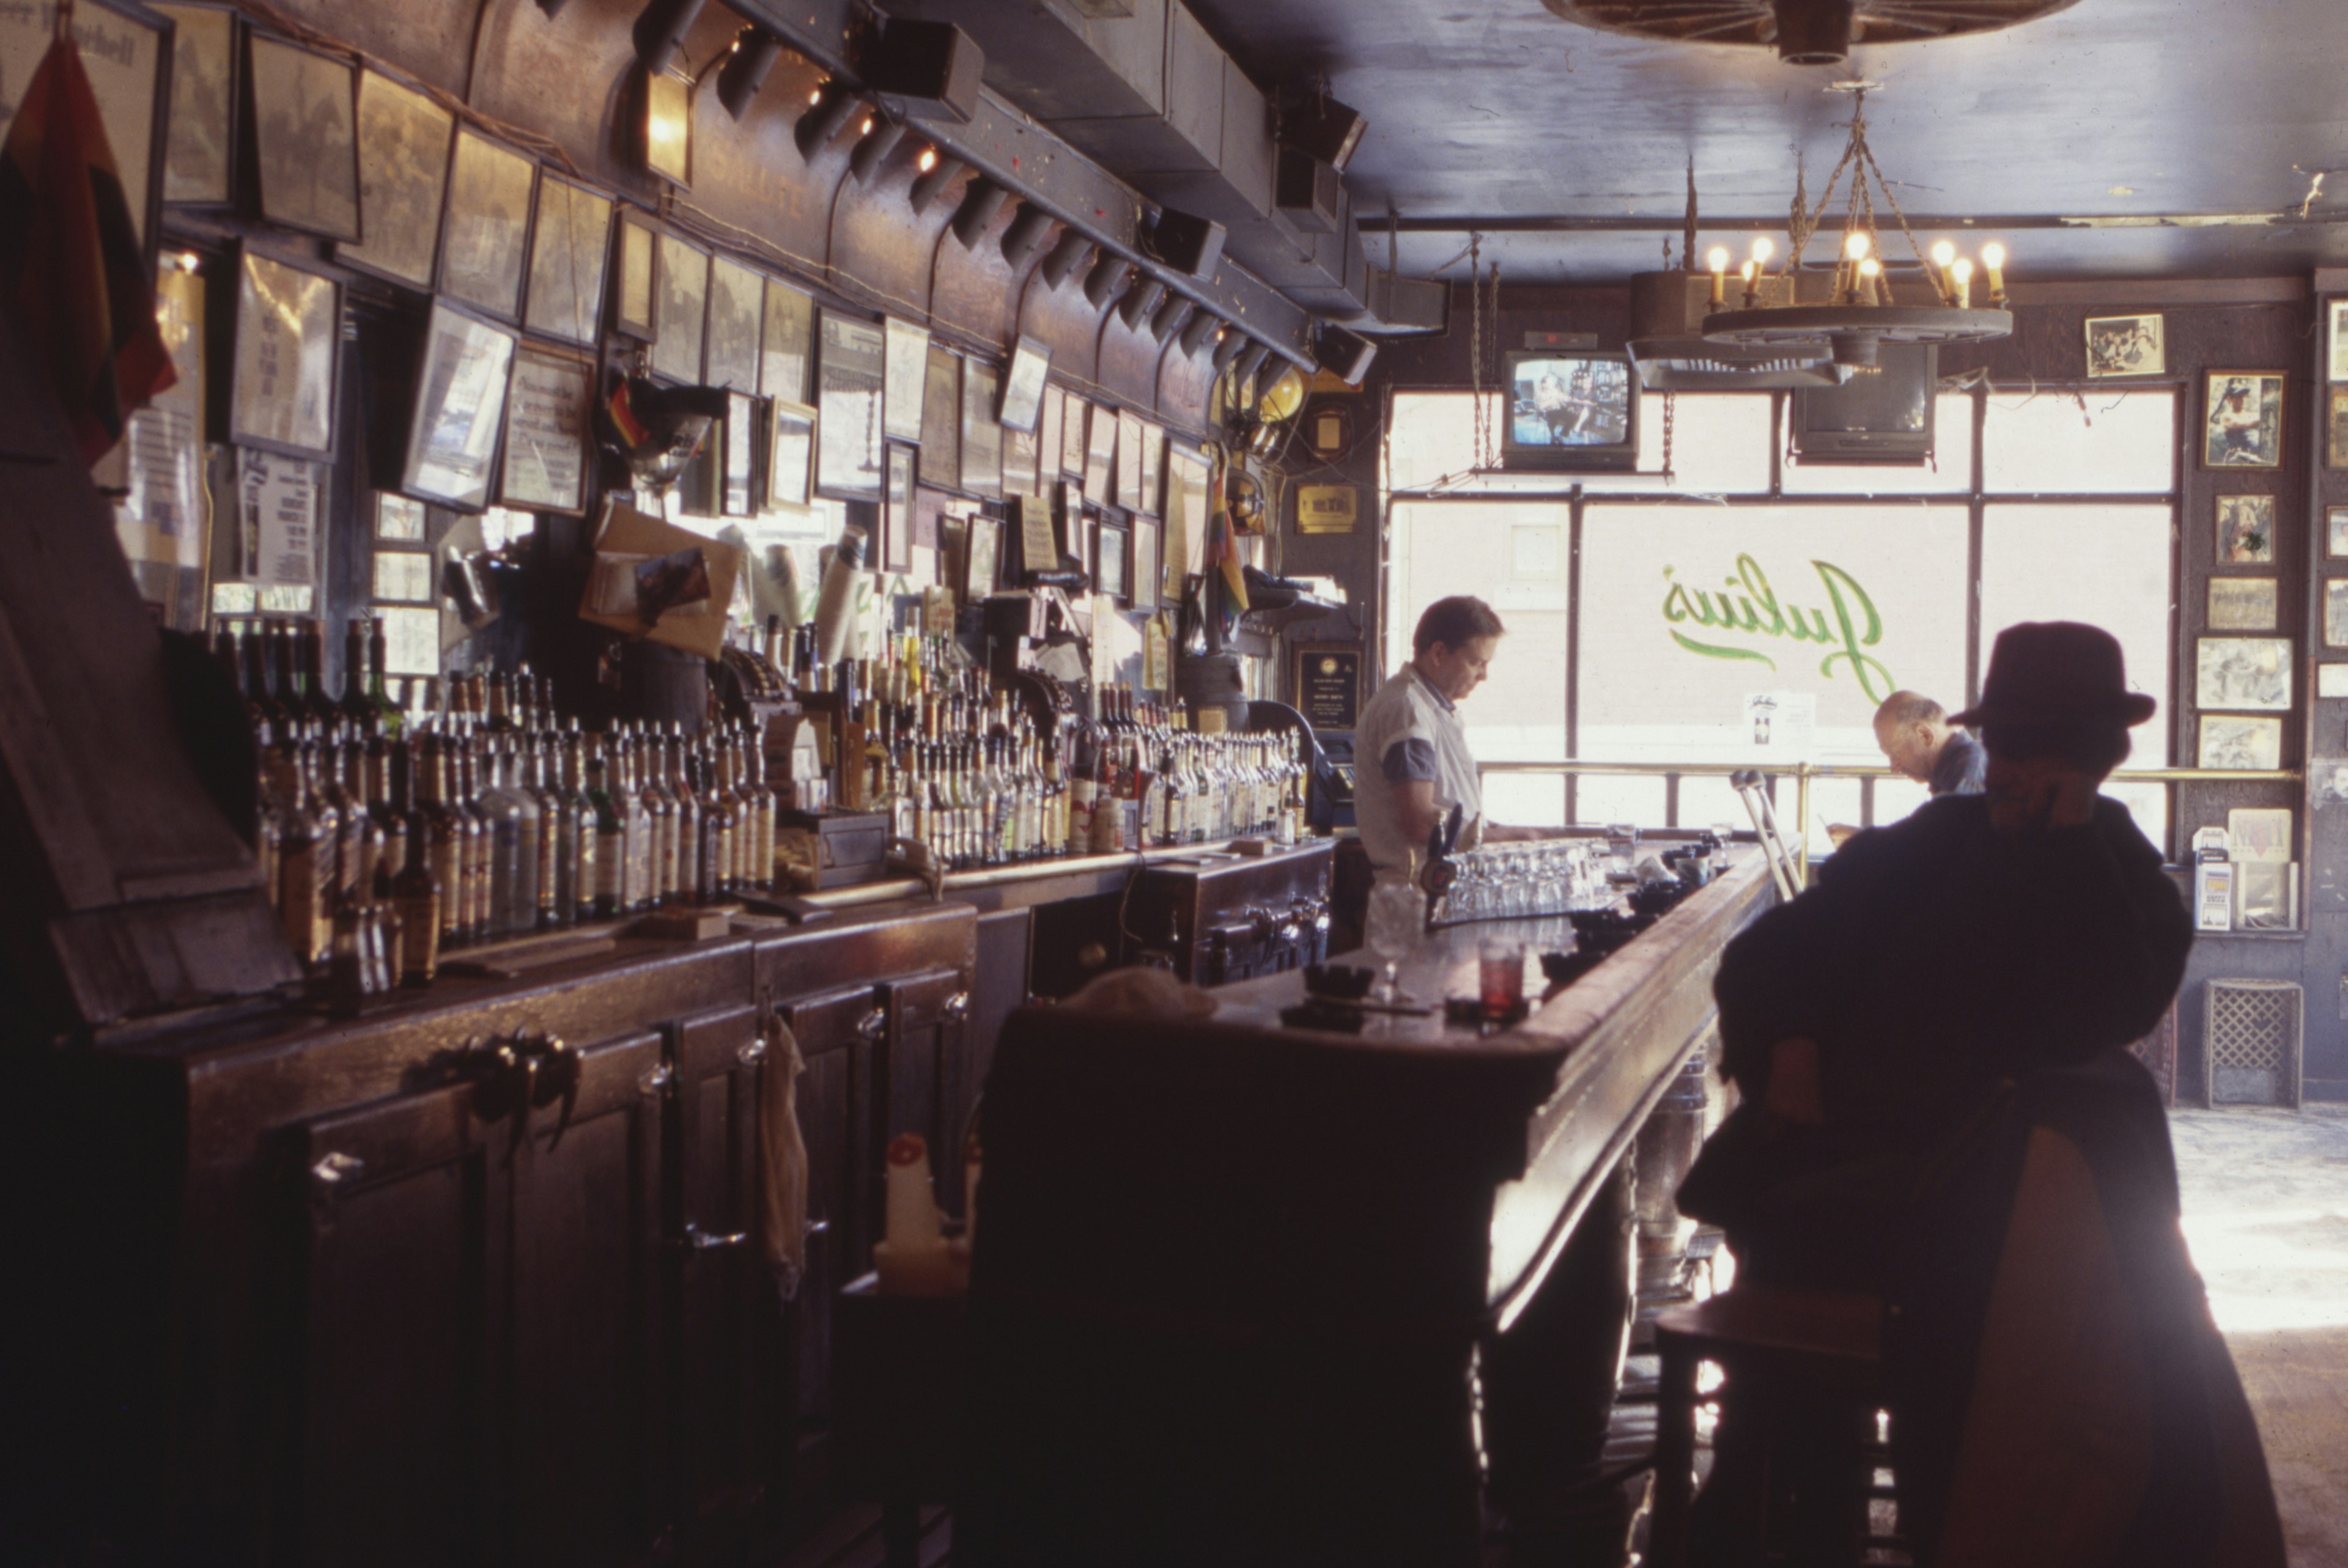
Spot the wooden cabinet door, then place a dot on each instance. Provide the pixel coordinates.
(840, 1035)
(391, 1461)
(929, 1081)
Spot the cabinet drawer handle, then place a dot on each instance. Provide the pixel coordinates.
(329, 1174)
(654, 1080)
(873, 1024)
(696, 1239)
(817, 1227)
(752, 1053)
(957, 1006)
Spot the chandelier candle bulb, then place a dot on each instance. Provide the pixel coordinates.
(1943, 254)
(1870, 272)
(1751, 273)
(1994, 262)
(1961, 272)
(1717, 258)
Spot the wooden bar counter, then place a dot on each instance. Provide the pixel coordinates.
(1237, 1283)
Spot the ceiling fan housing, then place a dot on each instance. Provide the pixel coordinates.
(1803, 32)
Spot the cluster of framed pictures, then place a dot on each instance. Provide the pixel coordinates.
(2237, 671)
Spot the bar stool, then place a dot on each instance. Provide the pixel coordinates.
(1827, 1343)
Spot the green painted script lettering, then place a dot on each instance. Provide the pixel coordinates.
(1746, 604)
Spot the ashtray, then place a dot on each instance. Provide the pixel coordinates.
(1322, 1013)
(1341, 980)
(1471, 1011)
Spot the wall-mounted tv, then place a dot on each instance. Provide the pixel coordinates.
(1569, 410)
(1881, 416)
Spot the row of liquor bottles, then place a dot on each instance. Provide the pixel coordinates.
(465, 834)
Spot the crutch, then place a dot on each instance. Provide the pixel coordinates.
(1747, 785)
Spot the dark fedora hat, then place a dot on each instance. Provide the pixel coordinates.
(2056, 672)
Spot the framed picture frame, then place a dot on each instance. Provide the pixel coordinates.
(1100, 448)
(288, 361)
(2336, 427)
(401, 577)
(570, 251)
(635, 265)
(1153, 466)
(896, 553)
(1039, 537)
(199, 144)
(680, 308)
(1047, 437)
(665, 135)
(732, 341)
(790, 452)
(2245, 673)
(981, 553)
(1145, 573)
(484, 240)
(2243, 418)
(786, 343)
(2335, 612)
(398, 519)
(128, 54)
(305, 117)
(1074, 423)
(941, 460)
(549, 415)
(2245, 604)
(982, 437)
(1112, 550)
(850, 365)
(2335, 533)
(2238, 742)
(1022, 384)
(2246, 530)
(738, 492)
(2332, 681)
(1019, 463)
(1128, 460)
(908, 379)
(459, 409)
(404, 145)
(2125, 345)
(2335, 340)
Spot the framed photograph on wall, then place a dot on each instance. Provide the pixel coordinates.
(786, 343)
(636, 259)
(1073, 425)
(896, 549)
(2241, 604)
(1128, 461)
(1019, 475)
(908, 378)
(2335, 532)
(2245, 672)
(570, 250)
(738, 305)
(549, 401)
(305, 138)
(853, 358)
(199, 151)
(680, 307)
(790, 452)
(1113, 552)
(1022, 384)
(486, 240)
(1047, 437)
(2335, 340)
(1144, 575)
(981, 553)
(2335, 612)
(1100, 448)
(2336, 427)
(289, 337)
(2246, 530)
(2234, 742)
(460, 395)
(941, 420)
(403, 140)
(982, 437)
(2242, 419)
(738, 494)
(2332, 680)
(2124, 346)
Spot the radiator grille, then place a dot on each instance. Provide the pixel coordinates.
(2252, 1048)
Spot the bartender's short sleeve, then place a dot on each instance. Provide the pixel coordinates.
(1410, 760)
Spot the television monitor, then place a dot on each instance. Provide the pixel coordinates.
(1881, 416)
(1570, 410)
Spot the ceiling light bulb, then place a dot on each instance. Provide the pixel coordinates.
(928, 161)
(1762, 250)
(1856, 245)
(1748, 270)
(866, 128)
(1868, 267)
(816, 96)
(1962, 270)
(1717, 258)
(1993, 255)
(1944, 253)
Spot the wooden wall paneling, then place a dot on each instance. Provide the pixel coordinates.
(748, 176)
(1129, 362)
(567, 78)
(883, 252)
(1066, 322)
(974, 293)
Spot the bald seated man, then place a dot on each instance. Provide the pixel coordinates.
(1915, 734)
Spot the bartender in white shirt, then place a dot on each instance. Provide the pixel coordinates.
(1413, 761)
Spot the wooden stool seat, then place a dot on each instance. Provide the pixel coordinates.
(1832, 1339)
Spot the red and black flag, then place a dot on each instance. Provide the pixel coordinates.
(70, 264)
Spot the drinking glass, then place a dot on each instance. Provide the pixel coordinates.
(1396, 921)
(1500, 975)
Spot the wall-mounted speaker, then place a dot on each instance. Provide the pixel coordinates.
(930, 66)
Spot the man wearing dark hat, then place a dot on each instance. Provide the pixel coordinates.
(1951, 985)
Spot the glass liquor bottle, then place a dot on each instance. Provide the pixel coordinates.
(581, 883)
(653, 791)
(554, 851)
(610, 833)
(696, 881)
(414, 890)
(443, 839)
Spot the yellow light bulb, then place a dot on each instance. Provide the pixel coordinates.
(1993, 255)
(1762, 250)
(928, 161)
(1717, 258)
(865, 129)
(1747, 270)
(815, 98)
(1962, 270)
(1944, 253)
(1857, 245)
(1868, 267)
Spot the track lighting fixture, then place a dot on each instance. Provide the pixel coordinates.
(931, 180)
(1170, 315)
(873, 148)
(1201, 327)
(660, 31)
(1105, 281)
(1140, 302)
(1228, 347)
(1244, 368)
(980, 203)
(831, 110)
(1030, 227)
(744, 71)
(1073, 251)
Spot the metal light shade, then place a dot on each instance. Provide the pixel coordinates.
(745, 71)
(1108, 277)
(926, 186)
(1202, 327)
(1229, 349)
(980, 203)
(824, 120)
(1073, 251)
(1030, 227)
(873, 148)
(1244, 370)
(1141, 302)
(1170, 315)
(660, 31)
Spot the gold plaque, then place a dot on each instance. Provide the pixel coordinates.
(1327, 509)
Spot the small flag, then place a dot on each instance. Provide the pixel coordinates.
(70, 263)
(1223, 552)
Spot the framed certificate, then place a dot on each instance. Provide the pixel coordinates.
(738, 302)
(907, 376)
(1022, 384)
(737, 493)
(680, 303)
(570, 250)
(941, 420)
(486, 236)
(850, 372)
(404, 139)
(548, 409)
(982, 437)
(1144, 563)
(305, 138)
(790, 453)
(460, 395)
(786, 343)
(637, 264)
(896, 553)
(289, 337)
